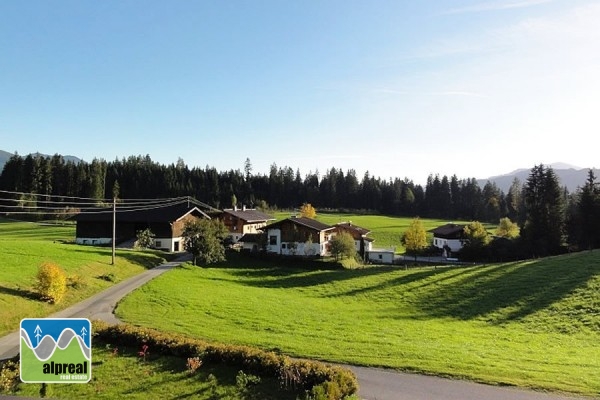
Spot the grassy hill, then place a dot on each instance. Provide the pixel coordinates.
(25, 246)
(533, 324)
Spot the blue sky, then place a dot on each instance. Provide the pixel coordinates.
(397, 88)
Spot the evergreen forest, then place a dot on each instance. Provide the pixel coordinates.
(550, 217)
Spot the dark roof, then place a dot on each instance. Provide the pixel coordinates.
(356, 228)
(250, 237)
(307, 222)
(127, 214)
(250, 215)
(448, 231)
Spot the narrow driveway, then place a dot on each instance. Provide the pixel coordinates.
(375, 383)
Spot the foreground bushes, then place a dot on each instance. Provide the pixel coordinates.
(318, 380)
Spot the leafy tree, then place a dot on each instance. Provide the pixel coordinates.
(507, 229)
(308, 211)
(204, 239)
(145, 239)
(476, 235)
(414, 239)
(342, 246)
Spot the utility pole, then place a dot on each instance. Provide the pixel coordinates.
(114, 229)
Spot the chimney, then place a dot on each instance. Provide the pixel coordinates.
(235, 208)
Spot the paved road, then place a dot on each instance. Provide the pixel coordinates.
(381, 384)
(375, 383)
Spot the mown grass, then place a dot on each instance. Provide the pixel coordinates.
(532, 324)
(25, 246)
(123, 374)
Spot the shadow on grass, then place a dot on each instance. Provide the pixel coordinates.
(18, 292)
(147, 260)
(509, 292)
(284, 278)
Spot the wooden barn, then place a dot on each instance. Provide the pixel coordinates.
(166, 223)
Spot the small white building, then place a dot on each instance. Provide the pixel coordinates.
(449, 238)
(381, 256)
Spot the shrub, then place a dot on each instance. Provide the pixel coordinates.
(192, 364)
(110, 277)
(51, 282)
(316, 378)
(75, 282)
(9, 376)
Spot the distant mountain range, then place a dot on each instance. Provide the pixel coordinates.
(569, 175)
(5, 155)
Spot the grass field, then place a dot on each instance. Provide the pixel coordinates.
(532, 324)
(124, 374)
(25, 246)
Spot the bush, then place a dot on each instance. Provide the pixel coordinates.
(316, 378)
(110, 277)
(51, 282)
(9, 376)
(75, 282)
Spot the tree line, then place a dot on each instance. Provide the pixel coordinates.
(550, 216)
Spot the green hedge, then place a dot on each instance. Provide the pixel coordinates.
(318, 380)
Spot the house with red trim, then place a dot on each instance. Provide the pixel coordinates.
(240, 222)
(299, 236)
(362, 243)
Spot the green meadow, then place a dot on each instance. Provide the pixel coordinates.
(532, 324)
(25, 246)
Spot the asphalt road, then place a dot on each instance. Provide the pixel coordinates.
(375, 383)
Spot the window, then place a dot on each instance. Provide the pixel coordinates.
(158, 243)
(283, 245)
(273, 240)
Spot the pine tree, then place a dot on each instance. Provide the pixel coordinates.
(544, 208)
(589, 211)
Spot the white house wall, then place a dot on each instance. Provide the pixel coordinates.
(381, 257)
(454, 244)
(168, 244)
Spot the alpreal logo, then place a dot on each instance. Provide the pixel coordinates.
(56, 350)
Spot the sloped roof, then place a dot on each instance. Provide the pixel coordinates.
(448, 231)
(159, 214)
(250, 215)
(251, 237)
(307, 222)
(348, 225)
